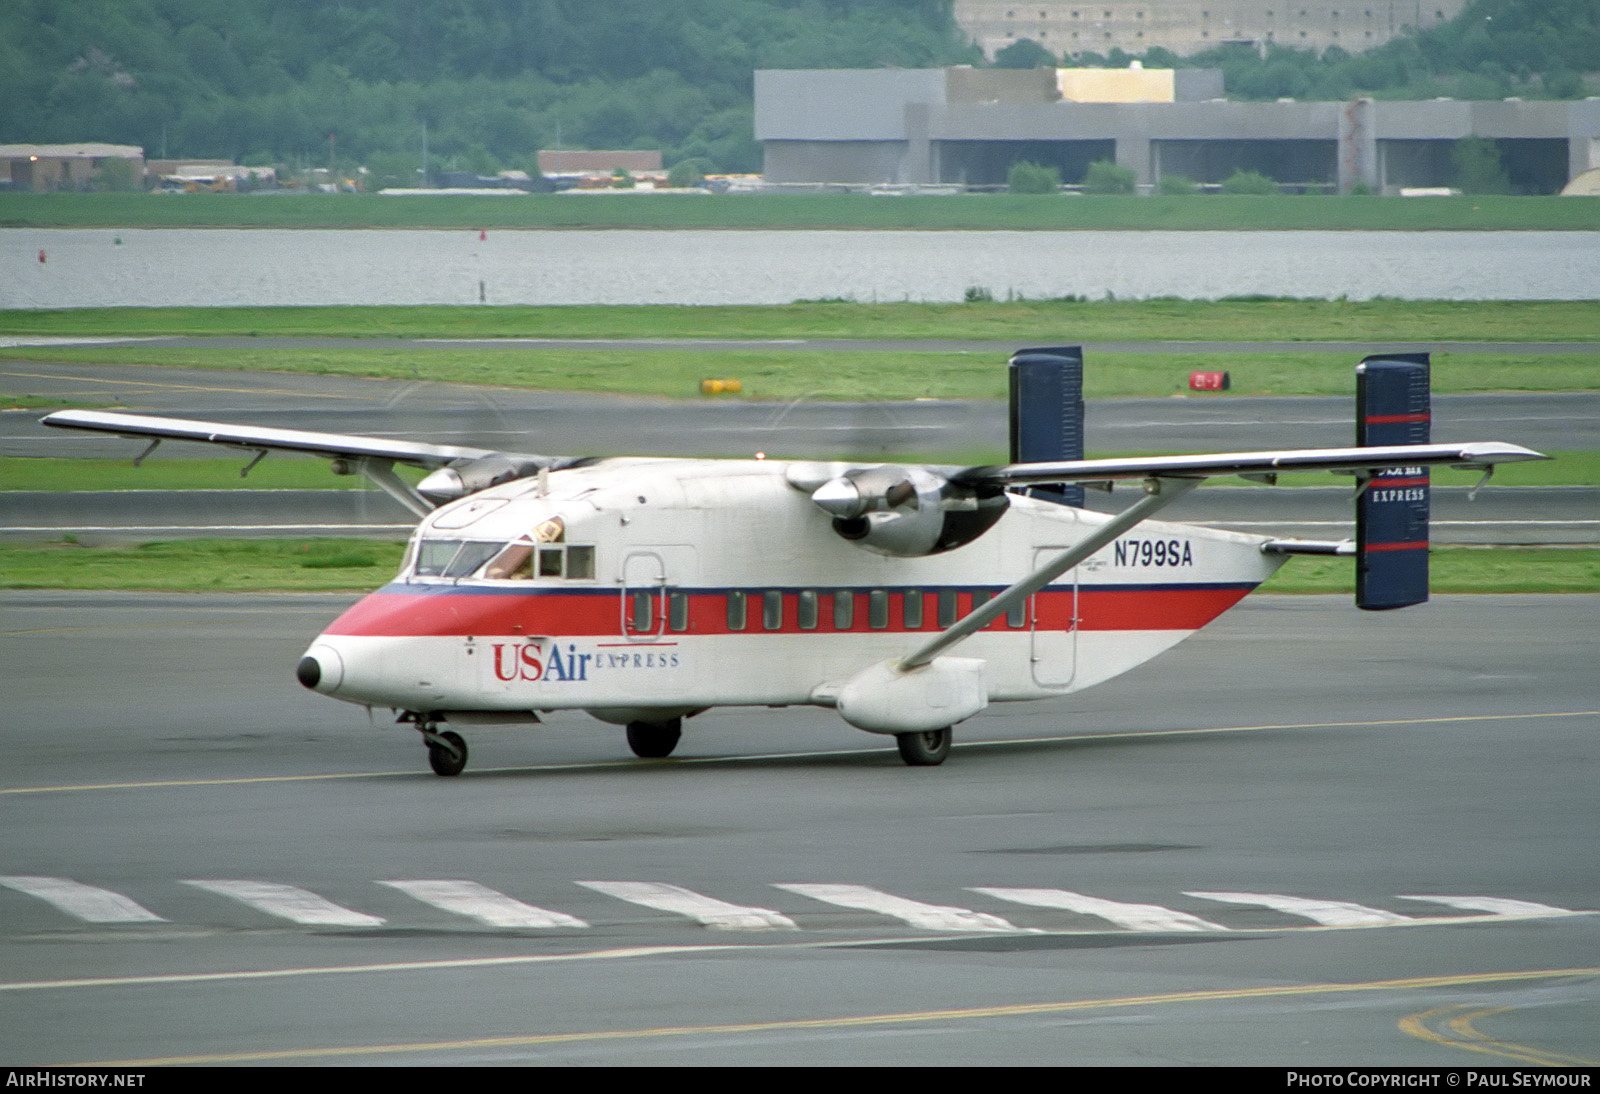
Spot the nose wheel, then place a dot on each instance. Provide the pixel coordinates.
(447, 752)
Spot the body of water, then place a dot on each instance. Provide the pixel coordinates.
(72, 268)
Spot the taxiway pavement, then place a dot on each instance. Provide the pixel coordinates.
(1384, 820)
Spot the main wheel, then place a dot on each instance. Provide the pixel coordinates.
(654, 740)
(924, 749)
(442, 760)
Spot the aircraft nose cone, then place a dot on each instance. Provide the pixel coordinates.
(321, 669)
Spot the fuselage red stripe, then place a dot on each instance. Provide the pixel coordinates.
(1409, 545)
(441, 612)
(1387, 419)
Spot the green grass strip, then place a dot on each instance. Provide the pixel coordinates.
(1051, 322)
(259, 565)
(839, 375)
(1012, 212)
(1461, 570)
(203, 565)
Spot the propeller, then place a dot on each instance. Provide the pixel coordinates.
(898, 510)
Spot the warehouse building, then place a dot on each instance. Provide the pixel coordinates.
(45, 167)
(967, 126)
(1188, 26)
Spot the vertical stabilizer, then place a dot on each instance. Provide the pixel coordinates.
(1392, 407)
(1047, 413)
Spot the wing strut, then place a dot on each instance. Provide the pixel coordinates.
(1160, 491)
(381, 473)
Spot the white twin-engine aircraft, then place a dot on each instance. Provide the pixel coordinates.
(907, 598)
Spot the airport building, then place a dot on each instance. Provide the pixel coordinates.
(62, 166)
(1189, 26)
(966, 126)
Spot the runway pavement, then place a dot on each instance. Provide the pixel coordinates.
(1309, 835)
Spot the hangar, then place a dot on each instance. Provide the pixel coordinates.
(966, 126)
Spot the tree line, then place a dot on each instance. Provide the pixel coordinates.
(303, 82)
(268, 81)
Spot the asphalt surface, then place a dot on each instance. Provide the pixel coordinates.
(570, 423)
(159, 750)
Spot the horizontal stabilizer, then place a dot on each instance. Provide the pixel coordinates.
(1309, 547)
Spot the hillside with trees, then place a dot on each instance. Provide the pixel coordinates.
(492, 81)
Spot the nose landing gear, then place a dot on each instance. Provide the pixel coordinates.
(447, 752)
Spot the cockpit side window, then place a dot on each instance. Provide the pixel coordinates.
(515, 563)
(524, 561)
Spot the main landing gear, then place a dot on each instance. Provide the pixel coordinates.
(654, 740)
(924, 749)
(447, 752)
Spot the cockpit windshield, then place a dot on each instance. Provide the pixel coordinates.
(540, 554)
(453, 557)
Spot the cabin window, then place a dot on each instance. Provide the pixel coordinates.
(912, 609)
(844, 610)
(806, 609)
(643, 610)
(1017, 614)
(736, 611)
(948, 605)
(772, 610)
(678, 611)
(878, 609)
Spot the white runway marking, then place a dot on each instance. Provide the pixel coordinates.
(931, 917)
(1330, 913)
(1494, 905)
(482, 903)
(708, 911)
(84, 901)
(19, 341)
(289, 902)
(1135, 917)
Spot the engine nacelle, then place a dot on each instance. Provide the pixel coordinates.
(469, 476)
(906, 511)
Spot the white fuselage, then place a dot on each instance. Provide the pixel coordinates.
(715, 583)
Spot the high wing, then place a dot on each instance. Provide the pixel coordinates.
(457, 469)
(1478, 456)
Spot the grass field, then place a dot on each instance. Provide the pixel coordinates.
(781, 374)
(245, 565)
(1029, 321)
(642, 210)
